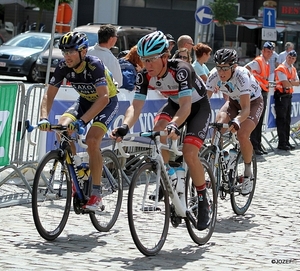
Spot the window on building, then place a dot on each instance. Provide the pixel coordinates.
(133, 3)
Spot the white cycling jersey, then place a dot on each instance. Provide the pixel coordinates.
(242, 82)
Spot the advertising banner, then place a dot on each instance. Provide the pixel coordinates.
(8, 94)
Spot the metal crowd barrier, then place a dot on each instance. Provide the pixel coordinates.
(15, 176)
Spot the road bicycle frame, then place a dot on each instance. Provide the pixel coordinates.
(178, 201)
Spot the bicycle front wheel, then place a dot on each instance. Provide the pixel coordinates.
(148, 219)
(201, 237)
(112, 193)
(51, 196)
(241, 203)
(209, 154)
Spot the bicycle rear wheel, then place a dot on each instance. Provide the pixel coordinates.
(51, 195)
(241, 203)
(112, 192)
(201, 237)
(148, 222)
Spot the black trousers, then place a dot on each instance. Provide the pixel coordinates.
(283, 108)
(255, 136)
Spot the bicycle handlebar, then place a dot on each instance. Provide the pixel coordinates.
(151, 134)
(219, 126)
(54, 127)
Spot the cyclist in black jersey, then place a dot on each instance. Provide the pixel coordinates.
(97, 101)
(187, 103)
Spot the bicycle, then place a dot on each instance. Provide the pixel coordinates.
(228, 174)
(149, 218)
(57, 180)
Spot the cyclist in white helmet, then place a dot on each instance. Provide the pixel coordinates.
(187, 103)
(244, 106)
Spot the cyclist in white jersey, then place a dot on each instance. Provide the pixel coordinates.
(243, 107)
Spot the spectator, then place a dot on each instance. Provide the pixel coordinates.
(171, 41)
(289, 46)
(260, 68)
(130, 65)
(202, 52)
(107, 38)
(286, 78)
(273, 61)
(183, 54)
(185, 41)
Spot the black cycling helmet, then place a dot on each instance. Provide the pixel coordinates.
(153, 43)
(224, 56)
(73, 40)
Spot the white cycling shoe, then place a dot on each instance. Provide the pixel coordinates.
(247, 186)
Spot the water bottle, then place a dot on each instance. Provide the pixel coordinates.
(232, 157)
(77, 160)
(172, 176)
(180, 172)
(83, 172)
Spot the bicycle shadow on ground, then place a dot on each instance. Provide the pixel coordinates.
(235, 223)
(72, 243)
(174, 259)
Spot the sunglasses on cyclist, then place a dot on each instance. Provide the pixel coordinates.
(183, 57)
(223, 68)
(68, 52)
(151, 59)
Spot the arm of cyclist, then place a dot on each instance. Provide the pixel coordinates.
(100, 103)
(243, 115)
(179, 118)
(131, 116)
(46, 104)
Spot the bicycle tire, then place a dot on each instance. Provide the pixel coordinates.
(51, 195)
(202, 237)
(112, 193)
(209, 155)
(147, 227)
(240, 203)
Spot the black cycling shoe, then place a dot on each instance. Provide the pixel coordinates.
(291, 146)
(203, 212)
(284, 148)
(160, 194)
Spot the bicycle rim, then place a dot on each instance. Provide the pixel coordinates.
(202, 237)
(51, 196)
(112, 193)
(240, 203)
(148, 222)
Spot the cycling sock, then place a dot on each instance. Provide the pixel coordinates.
(200, 188)
(97, 191)
(247, 172)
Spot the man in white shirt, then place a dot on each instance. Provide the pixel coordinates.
(107, 38)
(289, 46)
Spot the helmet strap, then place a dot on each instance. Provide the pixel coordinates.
(161, 69)
(76, 66)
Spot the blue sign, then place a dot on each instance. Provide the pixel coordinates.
(269, 18)
(203, 15)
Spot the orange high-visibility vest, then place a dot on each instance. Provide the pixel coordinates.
(290, 75)
(263, 76)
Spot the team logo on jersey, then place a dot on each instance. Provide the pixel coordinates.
(181, 75)
(139, 79)
(158, 83)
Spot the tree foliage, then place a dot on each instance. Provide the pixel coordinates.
(225, 12)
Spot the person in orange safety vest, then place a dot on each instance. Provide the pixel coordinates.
(286, 78)
(260, 68)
